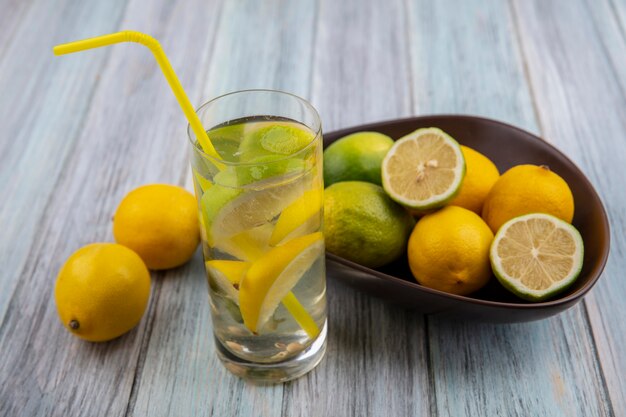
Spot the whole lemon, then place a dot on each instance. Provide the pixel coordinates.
(449, 251)
(160, 223)
(356, 157)
(102, 291)
(480, 175)
(526, 189)
(362, 224)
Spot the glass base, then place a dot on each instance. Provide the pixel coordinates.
(271, 373)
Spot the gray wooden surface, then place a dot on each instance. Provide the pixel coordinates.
(80, 131)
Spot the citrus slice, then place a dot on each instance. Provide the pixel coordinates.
(273, 139)
(226, 275)
(300, 217)
(248, 245)
(424, 169)
(536, 256)
(230, 211)
(271, 278)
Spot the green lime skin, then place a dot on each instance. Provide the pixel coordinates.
(356, 157)
(362, 224)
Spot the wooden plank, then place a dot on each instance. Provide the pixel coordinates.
(133, 133)
(578, 83)
(468, 61)
(181, 374)
(47, 100)
(361, 68)
(12, 16)
(376, 363)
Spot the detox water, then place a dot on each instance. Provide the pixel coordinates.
(260, 210)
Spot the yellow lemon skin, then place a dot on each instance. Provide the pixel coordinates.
(102, 291)
(449, 251)
(526, 189)
(160, 223)
(480, 175)
(261, 280)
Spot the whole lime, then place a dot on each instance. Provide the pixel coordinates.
(362, 224)
(356, 157)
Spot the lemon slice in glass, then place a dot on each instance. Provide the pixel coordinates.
(424, 169)
(271, 278)
(226, 276)
(537, 255)
(299, 218)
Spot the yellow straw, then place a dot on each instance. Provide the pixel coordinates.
(300, 314)
(166, 68)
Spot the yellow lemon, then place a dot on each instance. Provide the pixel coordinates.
(102, 291)
(225, 276)
(526, 189)
(480, 175)
(160, 223)
(269, 281)
(449, 251)
(300, 217)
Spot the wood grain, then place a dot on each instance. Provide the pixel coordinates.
(376, 362)
(182, 375)
(46, 101)
(128, 138)
(80, 131)
(544, 368)
(578, 83)
(361, 64)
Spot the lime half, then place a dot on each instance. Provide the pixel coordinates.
(424, 169)
(537, 255)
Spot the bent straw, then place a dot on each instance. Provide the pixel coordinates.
(156, 49)
(290, 302)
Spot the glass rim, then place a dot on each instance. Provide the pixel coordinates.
(196, 147)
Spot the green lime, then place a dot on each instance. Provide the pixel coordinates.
(424, 169)
(362, 224)
(356, 157)
(273, 140)
(536, 256)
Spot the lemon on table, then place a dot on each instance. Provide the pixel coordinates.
(160, 223)
(449, 251)
(480, 175)
(356, 157)
(424, 169)
(102, 291)
(537, 255)
(362, 224)
(527, 189)
(270, 279)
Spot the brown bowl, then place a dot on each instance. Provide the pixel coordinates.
(506, 146)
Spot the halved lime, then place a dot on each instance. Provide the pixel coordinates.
(536, 256)
(424, 169)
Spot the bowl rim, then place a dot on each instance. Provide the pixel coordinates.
(595, 272)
